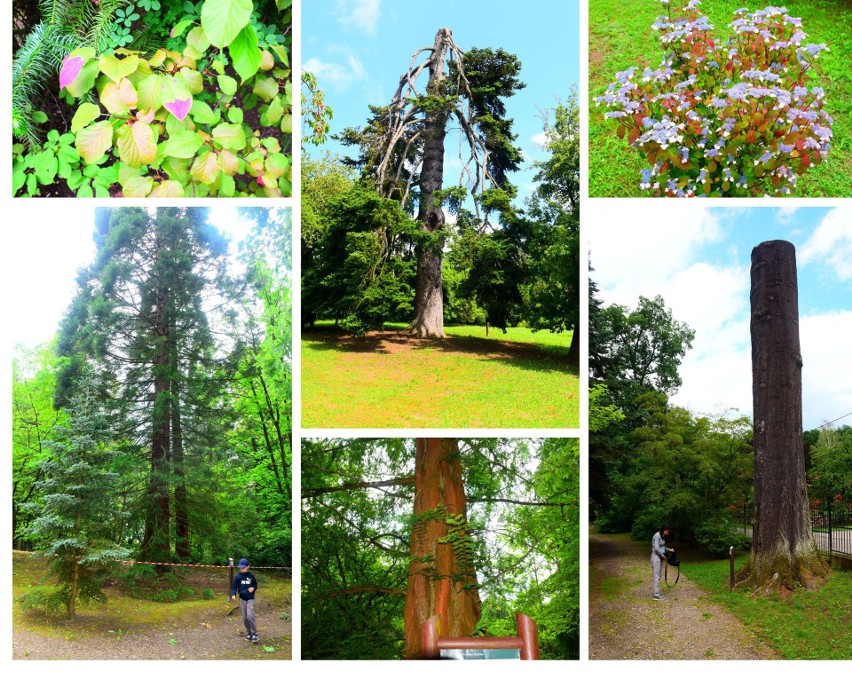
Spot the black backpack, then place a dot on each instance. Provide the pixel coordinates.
(672, 560)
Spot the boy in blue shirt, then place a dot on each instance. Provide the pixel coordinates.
(246, 585)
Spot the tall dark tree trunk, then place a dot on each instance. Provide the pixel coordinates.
(182, 549)
(429, 299)
(784, 553)
(155, 542)
(441, 580)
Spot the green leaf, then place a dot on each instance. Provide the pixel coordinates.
(85, 114)
(287, 124)
(193, 80)
(230, 136)
(183, 144)
(202, 113)
(39, 117)
(235, 115)
(245, 54)
(85, 191)
(227, 84)
(222, 20)
(275, 111)
(197, 43)
(227, 186)
(168, 189)
(150, 93)
(180, 27)
(85, 80)
(93, 141)
(267, 88)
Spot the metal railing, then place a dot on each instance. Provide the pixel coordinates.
(831, 525)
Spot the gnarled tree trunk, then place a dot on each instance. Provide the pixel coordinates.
(442, 580)
(784, 553)
(429, 299)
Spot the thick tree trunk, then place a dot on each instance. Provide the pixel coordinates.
(429, 299)
(574, 350)
(784, 553)
(155, 542)
(182, 549)
(442, 579)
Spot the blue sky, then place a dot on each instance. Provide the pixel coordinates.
(358, 49)
(699, 260)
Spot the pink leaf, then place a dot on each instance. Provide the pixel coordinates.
(70, 70)
(179, 107)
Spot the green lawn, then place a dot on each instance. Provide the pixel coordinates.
(620, 36)
(390, 380)
(808, 625)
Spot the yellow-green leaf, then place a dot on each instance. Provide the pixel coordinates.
(137, 144)
(115, 69)
(266, 88)
(222, 20)
(230, 136)
(138, 187)
(93, 141)
(193, 80)
(168, 189)
(229, 162)
(119, 98)
(206, 167)
(85, 114)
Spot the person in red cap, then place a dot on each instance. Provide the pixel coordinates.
(245, 584)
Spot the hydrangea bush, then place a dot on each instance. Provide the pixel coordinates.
(739, 118)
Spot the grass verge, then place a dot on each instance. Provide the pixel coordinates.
(814, 624)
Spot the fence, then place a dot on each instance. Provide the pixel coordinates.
(831, 525)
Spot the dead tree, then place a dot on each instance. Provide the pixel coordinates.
(784, 554)
(402, 148)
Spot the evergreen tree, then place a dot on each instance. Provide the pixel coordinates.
(142, 314)
(77, 520)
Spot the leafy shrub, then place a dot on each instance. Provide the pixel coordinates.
(208, 594)
(205, 120)
(734, 118)
(718, 533)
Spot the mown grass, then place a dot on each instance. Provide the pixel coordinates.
(814, 624)
(620, 36)
(520, 379)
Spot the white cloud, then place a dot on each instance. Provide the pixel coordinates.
(361, 14)
(334, 75)
(786, 215)
(540, 140)
(831, 242)
(638, 246)
(827, 355)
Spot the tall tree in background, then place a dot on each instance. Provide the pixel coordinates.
(554, 243)
(402, 147)
(33, 419)
(140, 317)
(784, 553)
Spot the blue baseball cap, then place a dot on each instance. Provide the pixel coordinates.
(243, 563)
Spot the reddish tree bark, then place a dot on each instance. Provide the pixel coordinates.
(784, 553)
(442, 580)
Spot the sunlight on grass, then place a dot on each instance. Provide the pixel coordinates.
(520, 379)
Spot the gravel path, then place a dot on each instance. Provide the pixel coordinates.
(215, 635)
(624, 623)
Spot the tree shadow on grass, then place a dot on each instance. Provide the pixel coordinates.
(539, 357)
